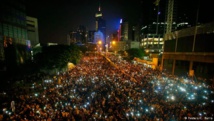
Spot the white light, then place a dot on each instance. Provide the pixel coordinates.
(132, 113)
(173, 97)
(182, 89)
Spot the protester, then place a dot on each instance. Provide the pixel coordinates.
(102, 89)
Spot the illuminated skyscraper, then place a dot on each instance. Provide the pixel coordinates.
(119, 31)
(125, 31)
(100, 24)
(98, 16)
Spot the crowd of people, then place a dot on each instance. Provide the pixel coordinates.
(111, 89)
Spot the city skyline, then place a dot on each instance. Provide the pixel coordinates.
(56, 19)
(60, 21)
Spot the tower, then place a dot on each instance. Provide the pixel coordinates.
(100, 24)
(98, 16)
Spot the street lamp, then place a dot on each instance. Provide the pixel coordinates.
(99, 42)
(99, 45)
(113, 42)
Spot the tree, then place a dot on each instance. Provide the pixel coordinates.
(57, 57)
(135, 52)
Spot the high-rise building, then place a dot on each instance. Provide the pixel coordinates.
(119, 31)
(188, 50)
(72, 36)
(13, 33)
(98, 16)
(136, 33)
(125, 31)
(91, 36)
(100, 24)
(79, 35)
(191, 50)
(32, 30)
(154, 28)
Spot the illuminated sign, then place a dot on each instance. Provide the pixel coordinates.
(98, 15)
(121, 21)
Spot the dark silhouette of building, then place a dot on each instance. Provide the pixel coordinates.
(79, 35)
(125, 31)
(32, 30)
(91, 36)
(14, 43)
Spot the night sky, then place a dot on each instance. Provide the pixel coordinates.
(57, 18)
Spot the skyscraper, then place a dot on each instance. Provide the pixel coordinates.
(154, 27)
(79, 35)
(33, 32)
(98, 16)
(13, 33)
(125, 31)
(100, 24)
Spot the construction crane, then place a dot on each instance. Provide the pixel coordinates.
(157, 4)
(169, 16)
(169, 21)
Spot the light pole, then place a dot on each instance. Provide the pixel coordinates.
(113, 46)
(99, 43)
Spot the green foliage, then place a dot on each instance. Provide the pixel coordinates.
(37, 50)
(57, 56)
(135, 52)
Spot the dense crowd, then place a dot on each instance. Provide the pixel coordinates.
(111, 90)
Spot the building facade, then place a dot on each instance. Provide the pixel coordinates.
(91, 36)
(13, 33)
(190, 51)
(154, 28)
(124, 31)
(32, 30)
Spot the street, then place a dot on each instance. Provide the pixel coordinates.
(97, 90)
